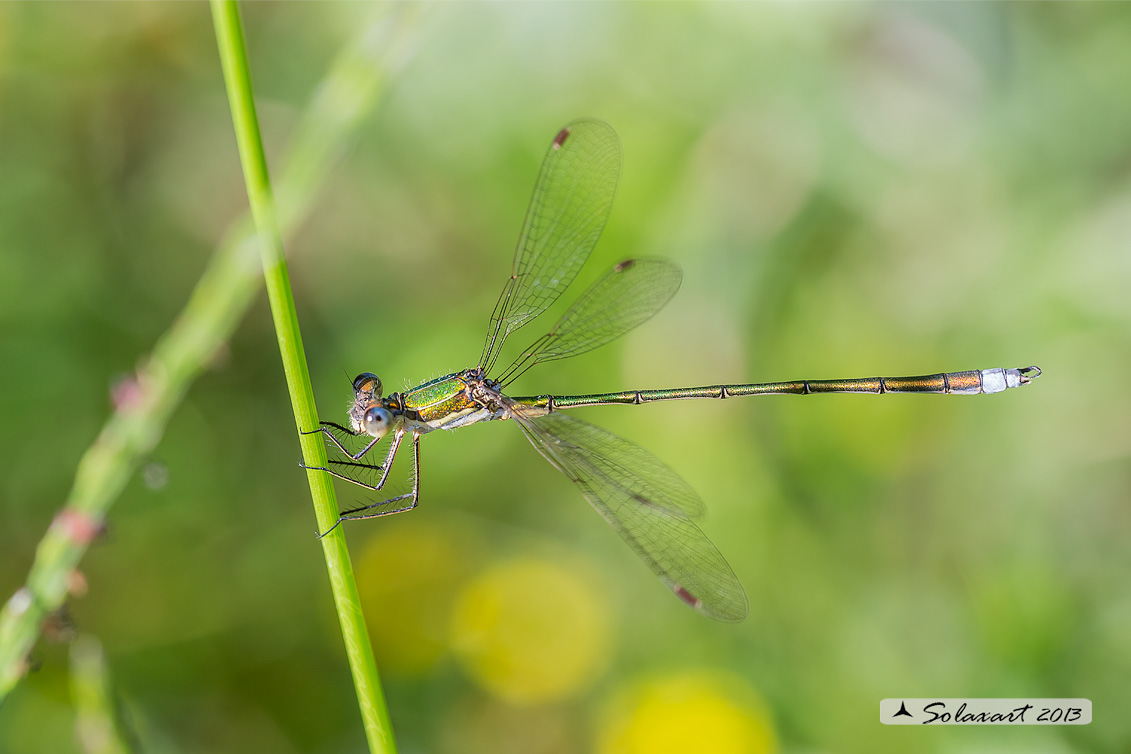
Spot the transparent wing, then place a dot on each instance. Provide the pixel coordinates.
(647, 504)
(567, 213)
(624, 297)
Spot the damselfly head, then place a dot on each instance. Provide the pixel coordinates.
(368, 414)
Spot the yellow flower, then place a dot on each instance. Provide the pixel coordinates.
(691, 711)
(530, 630)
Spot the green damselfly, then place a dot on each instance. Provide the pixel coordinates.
(647, 503)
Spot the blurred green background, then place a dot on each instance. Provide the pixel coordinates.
(851, 190)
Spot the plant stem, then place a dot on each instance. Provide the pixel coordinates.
(237, 78)
(98, 725)
(144, 404)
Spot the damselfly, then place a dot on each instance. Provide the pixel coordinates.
(647, 503)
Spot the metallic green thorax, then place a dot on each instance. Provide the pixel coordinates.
(440, 401)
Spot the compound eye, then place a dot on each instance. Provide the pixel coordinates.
(367, 382)
(376, 421)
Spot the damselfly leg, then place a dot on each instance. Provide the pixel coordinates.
(355, 471)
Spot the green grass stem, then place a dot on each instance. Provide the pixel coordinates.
(342, 101)
(237, 77)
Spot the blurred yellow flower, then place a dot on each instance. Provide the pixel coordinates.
(692, 711)
(530, 630)
(408, 575)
